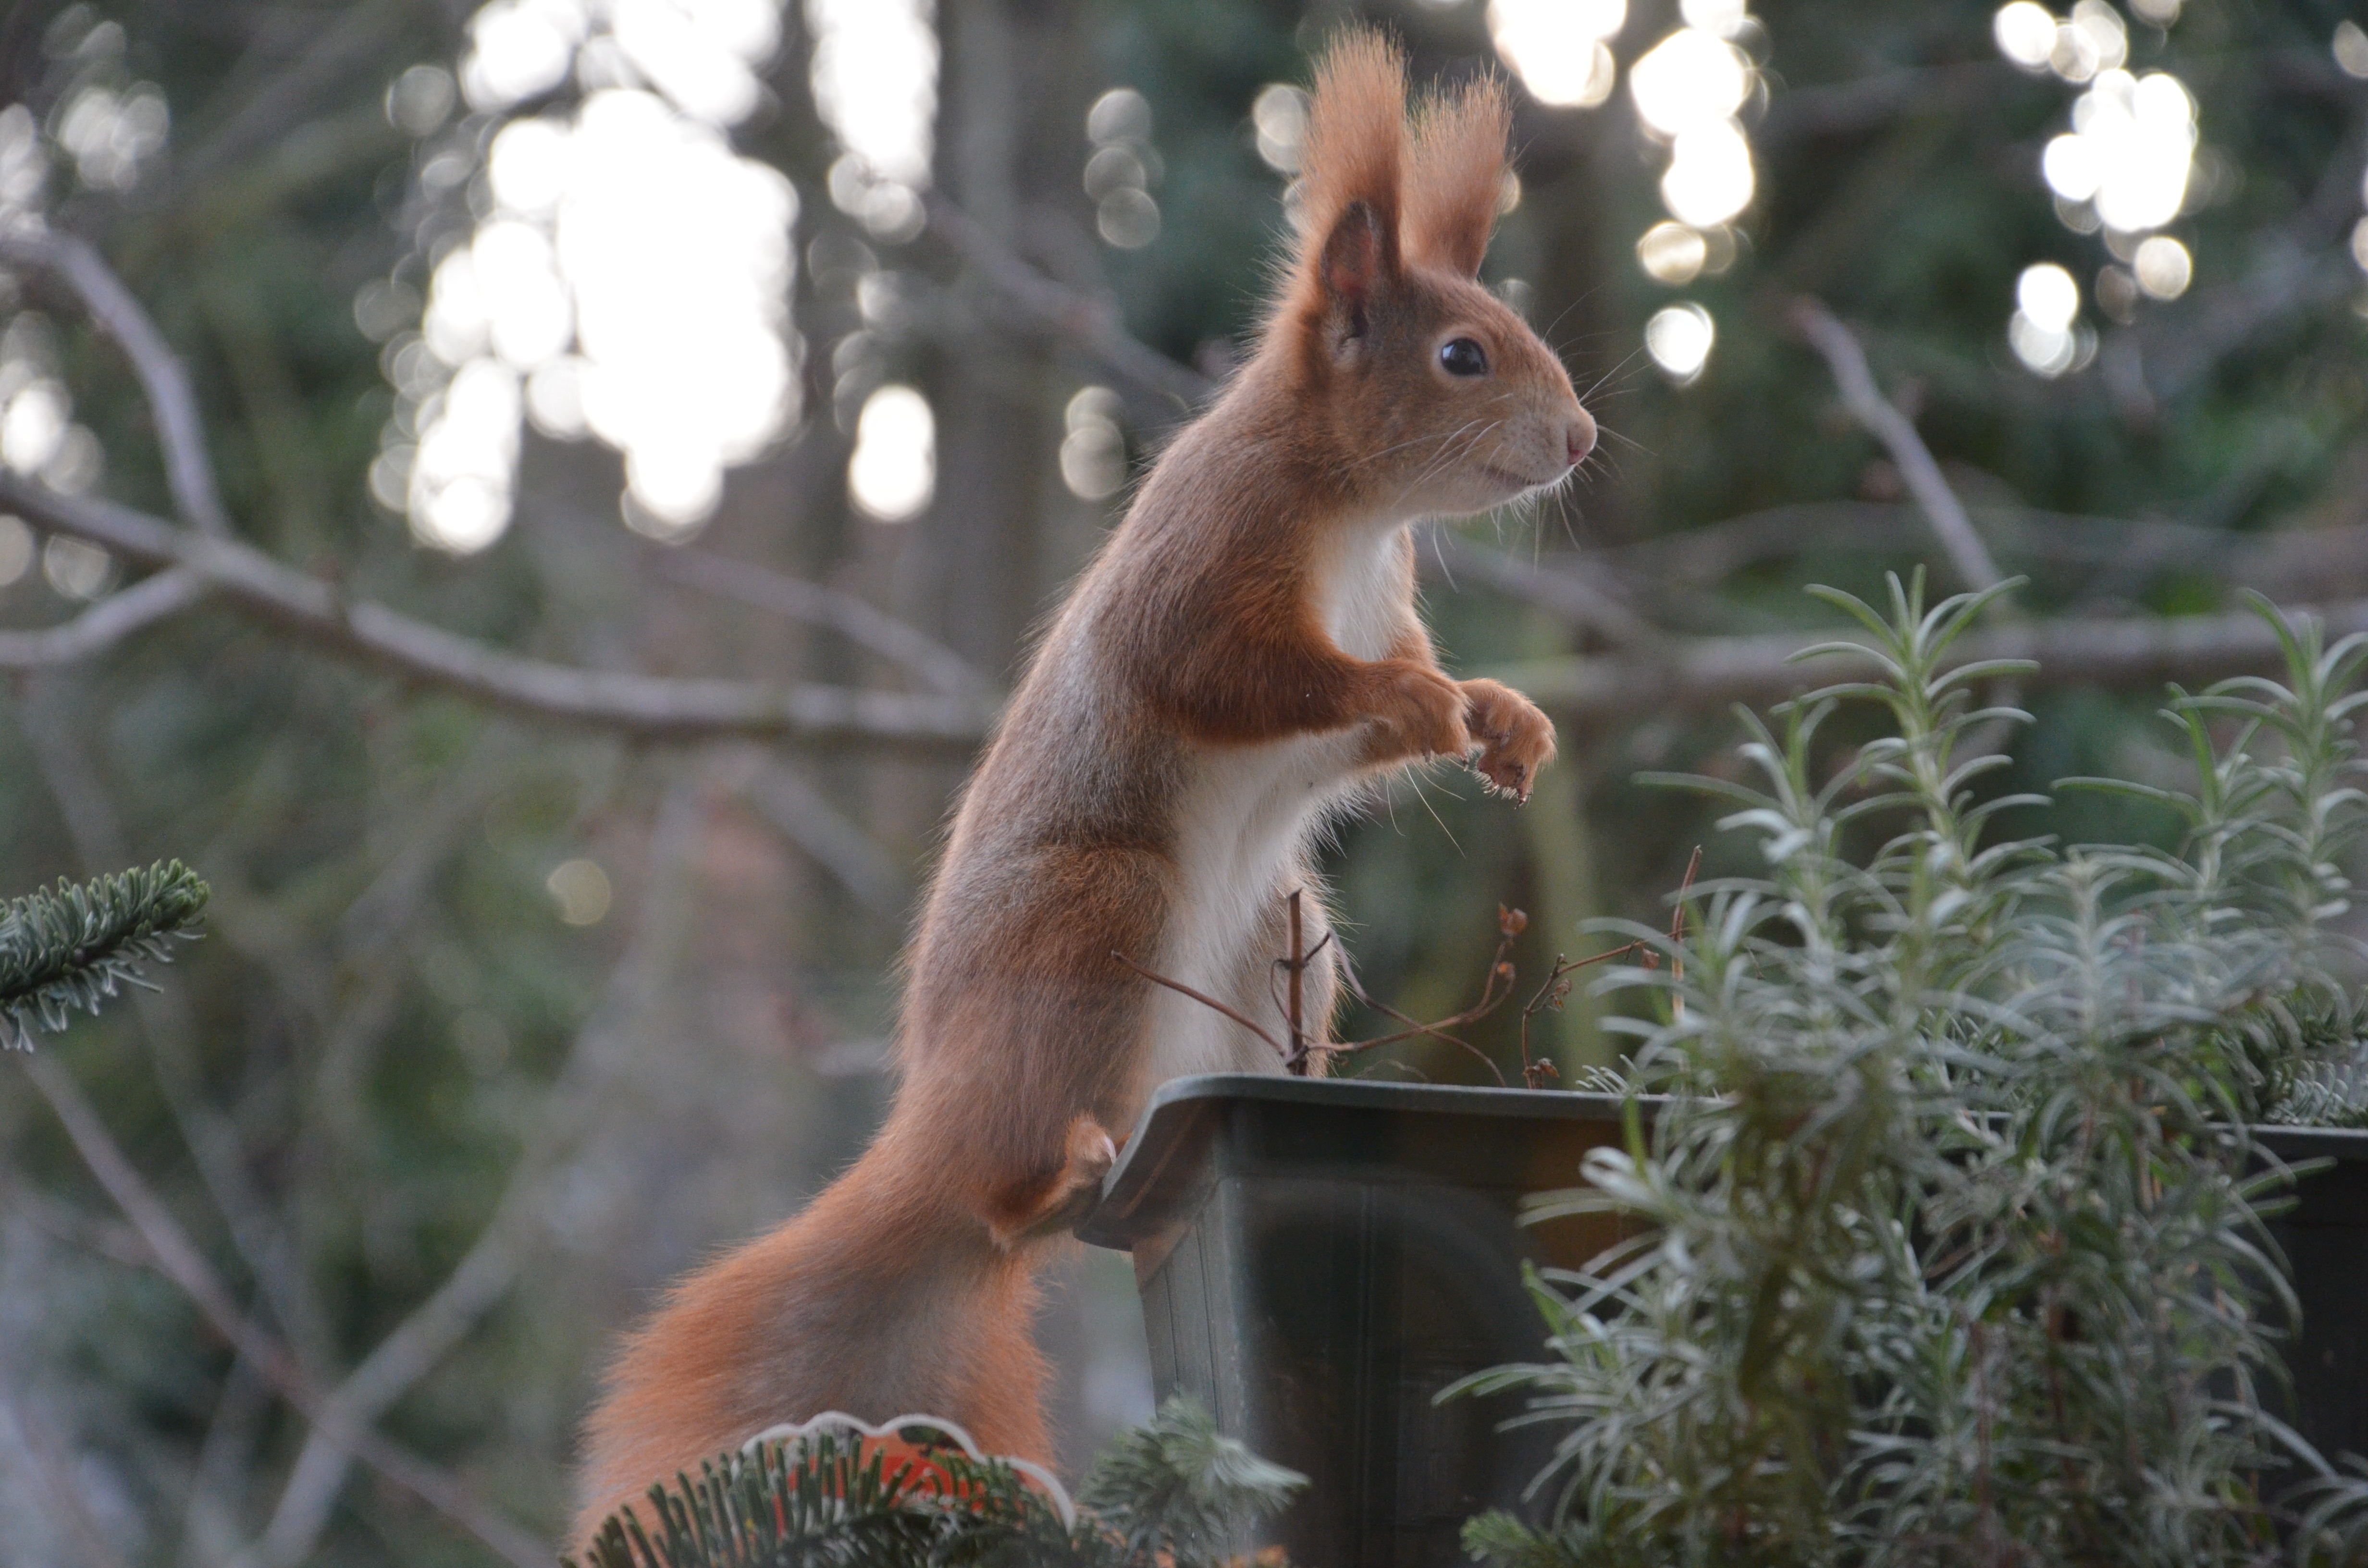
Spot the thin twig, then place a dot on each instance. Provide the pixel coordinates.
(1163, 386)
(797, 599)
(1551, 996)
(651, 706)
(104, 624)
(1434, 1031)
(1205, 1000)
(1562, 592)
(799, 808)
(484, 1277)
(188, 470)
(179, 1261)
(1886, 423)
(1677, 935)
(1510, 924)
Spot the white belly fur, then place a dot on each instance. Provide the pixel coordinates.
(1246, 815)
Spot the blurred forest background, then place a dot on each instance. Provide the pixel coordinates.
(536, 501)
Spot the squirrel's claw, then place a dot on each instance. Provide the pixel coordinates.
(1516, 739)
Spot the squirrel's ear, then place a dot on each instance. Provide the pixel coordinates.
(1351, 161)
(1359, 259)
(1456, 182)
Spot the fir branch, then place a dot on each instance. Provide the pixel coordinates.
(1178, 1490)
(820, 1500)
(1171, 1494)
(74, 947)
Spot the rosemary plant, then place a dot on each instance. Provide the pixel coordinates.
(1952, 1246)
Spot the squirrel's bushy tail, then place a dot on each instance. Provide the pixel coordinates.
(882, 1297)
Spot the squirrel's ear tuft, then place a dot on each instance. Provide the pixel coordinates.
(1455, 183)
(1353, 157)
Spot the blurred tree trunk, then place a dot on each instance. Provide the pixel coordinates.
(975, 568)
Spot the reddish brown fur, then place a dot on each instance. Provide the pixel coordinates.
(1456, 184)
(1245, 650)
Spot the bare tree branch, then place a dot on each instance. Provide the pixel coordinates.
(1697, 674)
(649, 706)
(353, 38)
(179, 1260)
(104, 624)
(50, 1469)
(1163, 387)
(179, 432)
(437, 1326)
(1882, 420)
(797, 599)
(50, 719)
(646, 706)
(1557, 589)
(1851, 109)
(805, 815)
(1708, 672)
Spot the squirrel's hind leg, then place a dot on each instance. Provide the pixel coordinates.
(1072, 1189)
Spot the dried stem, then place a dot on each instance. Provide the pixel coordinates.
(1205, 1000)
(1495, 989)
(1296, 965)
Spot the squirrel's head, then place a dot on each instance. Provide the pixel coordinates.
(1431, 393)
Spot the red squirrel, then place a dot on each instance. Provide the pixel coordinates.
(1242, 660)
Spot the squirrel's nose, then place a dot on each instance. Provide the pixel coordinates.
(1579, 439)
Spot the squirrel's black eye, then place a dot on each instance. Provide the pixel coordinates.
(1462, 357)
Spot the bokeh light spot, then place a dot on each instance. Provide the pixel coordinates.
(1672, 252)
(1280, 116)
(16, 549)
(1690, 80)
(2351, 48)
(2162, 266)
(1709, 179)
(2025, 34)
(1679, 337)
(77, 569)
(1093, 452)
(1559, 47)
(2048, 295)
(580, 889)
(893, 471)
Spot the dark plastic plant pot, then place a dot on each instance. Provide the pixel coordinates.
(1319, 1258)
(2325, 1239)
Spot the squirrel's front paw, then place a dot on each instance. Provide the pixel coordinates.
(1419, 712)
(1516, 739)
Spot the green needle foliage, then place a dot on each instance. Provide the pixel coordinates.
(1172, 1494)
(74, 947)
(1175, 1489)
(1953, 1247)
